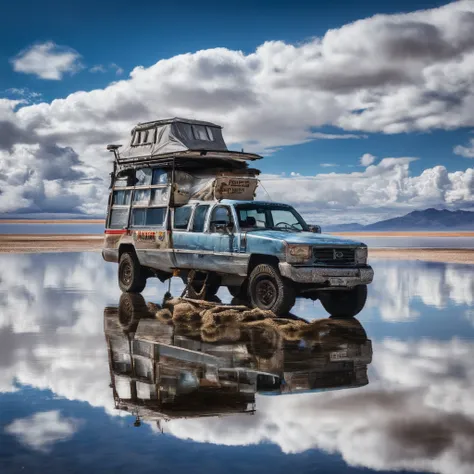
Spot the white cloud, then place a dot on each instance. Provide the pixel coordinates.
(367, 159)
(103, 69)
(47, 61)
(388, 73)
(27, 95)
(42, 430)
(118, 70)
(98, 68)
(329, 165)
(466, 151)
(386, 185)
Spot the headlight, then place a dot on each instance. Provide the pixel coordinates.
(361, 255)
(298, 253)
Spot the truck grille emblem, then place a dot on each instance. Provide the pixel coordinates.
(338, 255)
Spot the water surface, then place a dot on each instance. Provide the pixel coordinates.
(60, 377)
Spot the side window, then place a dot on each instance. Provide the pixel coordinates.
(200, 133)
(181, 217)
(121, 198)
(118, 218)
(200, 218)
(210, 134)
(221, 215)
(251, 218)
(141, 197)
(148, 217)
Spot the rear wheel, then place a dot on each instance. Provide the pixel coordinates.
(131, 275)
(270, 291)
(132, 307)
(344, 303)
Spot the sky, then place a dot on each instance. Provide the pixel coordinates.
(362, 110)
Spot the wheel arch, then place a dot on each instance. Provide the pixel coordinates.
(258, 258)
(126, 248)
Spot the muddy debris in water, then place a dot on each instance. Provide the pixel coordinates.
(215, 321)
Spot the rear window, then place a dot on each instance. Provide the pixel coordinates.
(118, 218)
(199, 218)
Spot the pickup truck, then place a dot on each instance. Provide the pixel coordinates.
(261, 251)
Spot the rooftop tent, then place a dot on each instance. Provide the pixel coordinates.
(174, 135)
(177, 137)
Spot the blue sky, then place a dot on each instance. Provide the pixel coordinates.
(314, 59)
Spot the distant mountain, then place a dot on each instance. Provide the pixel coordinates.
(353, 226)
(429, 219)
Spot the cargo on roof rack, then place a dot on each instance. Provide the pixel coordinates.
(186, 142)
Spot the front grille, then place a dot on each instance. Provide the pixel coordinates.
(334, 256)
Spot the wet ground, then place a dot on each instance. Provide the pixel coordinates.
(90, 382)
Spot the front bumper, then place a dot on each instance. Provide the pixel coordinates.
(328, 276)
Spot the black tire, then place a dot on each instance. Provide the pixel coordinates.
(131, 275)
(132, 307)
(344, 303)
(269, 290)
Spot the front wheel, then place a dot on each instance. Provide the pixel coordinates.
(131, 275)
(344, 303)
(270, 291)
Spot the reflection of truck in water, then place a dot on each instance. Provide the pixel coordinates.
(162, 371)
(182, 204)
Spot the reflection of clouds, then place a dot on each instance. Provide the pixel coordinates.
(51, 329)
(41, 430)
(51, 323)
(418, 415)
(398, 284)
(417, 412)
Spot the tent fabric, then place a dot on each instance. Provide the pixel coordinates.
(173, 136)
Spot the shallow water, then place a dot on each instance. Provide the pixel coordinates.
(418, 242)
(376, 242)
(60, 370)
(51, 228)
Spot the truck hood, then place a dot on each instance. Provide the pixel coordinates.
(303, 238)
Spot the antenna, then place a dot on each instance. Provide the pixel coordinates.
(268, 194)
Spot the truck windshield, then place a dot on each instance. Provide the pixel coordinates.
(258, 217)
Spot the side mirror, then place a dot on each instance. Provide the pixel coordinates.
(315, 229)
